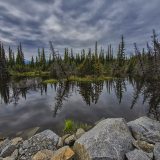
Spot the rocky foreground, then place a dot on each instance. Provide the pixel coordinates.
(110, 139)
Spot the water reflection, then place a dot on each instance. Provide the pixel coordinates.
(151, 94)
(4, 92)
(120, 88)
(14, 91)
(90, 92)
(62, 91)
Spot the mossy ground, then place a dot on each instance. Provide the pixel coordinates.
(80, 79)
(29, 74)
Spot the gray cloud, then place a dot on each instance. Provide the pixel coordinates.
(76, 23)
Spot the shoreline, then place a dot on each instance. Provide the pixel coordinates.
(138, 138)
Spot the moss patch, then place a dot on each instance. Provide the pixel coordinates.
(50, 81)
(29, 74)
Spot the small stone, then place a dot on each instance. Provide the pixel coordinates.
(147, 147)
(15, 154)
(70, 140)
(8, 158)
(79, 132)
(16, 140)
(65, 136)
(60, 143)
(138, 155)
(2, 137)
(64, 153)
(43, 155)
(157, 151)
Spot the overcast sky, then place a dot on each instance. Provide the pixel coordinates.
(77, 23)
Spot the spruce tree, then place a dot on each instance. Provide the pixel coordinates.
(3, 65)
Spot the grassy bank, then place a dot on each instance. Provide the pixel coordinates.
(50, 81)
(80, 79)
(29, 74)
(89, 78)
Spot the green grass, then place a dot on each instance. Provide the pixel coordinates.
(50, 81)
(89, 78)
(71, 127)
(29, 74)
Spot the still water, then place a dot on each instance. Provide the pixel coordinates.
(28, 103)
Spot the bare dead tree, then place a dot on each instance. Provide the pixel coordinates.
(139, 58)
(60, 68)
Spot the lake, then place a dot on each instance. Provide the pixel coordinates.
(28, 103)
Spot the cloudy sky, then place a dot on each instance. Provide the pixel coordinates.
(77, 23)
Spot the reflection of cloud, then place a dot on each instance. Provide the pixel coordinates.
(76, 23)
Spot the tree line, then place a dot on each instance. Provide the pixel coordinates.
(89, 62)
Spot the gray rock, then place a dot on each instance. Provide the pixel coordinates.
(44, 140)
(108, 140)
(157, 151)
(3, 144)
(80, 132)
(11, 146)
(145, 129)
(14, 156)
(138, 155)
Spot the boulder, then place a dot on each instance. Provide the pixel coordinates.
(11, 146)
(64, 153)
(43, 155)
(109, 139)
(79, 132)
(138, 155)
(157, 151)
(44, 140)
(145, 146)
(145, 129)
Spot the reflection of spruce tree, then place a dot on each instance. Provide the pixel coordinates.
(120, 87)
(152, 95)
(16, 93)
(43, 88)
(90, 92)
(4, 91)
(62, 94)
(109, 85)
(151, 92)
(137, 86)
